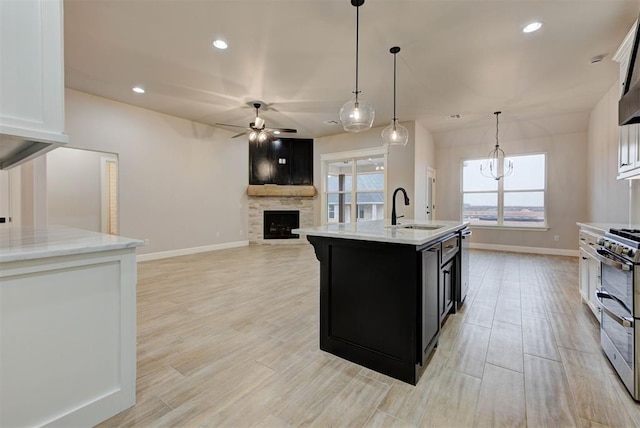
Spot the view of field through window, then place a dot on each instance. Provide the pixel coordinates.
(515, 200)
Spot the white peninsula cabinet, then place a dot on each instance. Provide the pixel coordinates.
(589, 279)
(67, 326)
(31, 79)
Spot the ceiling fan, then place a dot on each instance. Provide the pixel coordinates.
(257, 130)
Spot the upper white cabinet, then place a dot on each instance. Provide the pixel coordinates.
(31, 79)
(629, 135)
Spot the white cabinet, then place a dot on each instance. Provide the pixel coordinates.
(31, 79)
(589, 271)
(68, 317)
(629, 135)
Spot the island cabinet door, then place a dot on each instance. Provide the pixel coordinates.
(430, 307)
(447, 280)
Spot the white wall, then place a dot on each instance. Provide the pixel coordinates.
(566, 177)
(400, 167)
(608, 197)
(182, 184)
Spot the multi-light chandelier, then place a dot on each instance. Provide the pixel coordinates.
(355, 114)
(497, 160)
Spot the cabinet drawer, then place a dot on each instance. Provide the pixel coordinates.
(449, 248)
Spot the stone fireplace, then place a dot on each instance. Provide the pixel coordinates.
(279, 199)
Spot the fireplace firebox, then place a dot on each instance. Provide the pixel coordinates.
(278, 224)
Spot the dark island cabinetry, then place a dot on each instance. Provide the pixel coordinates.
(431, 307)
(448, 274)
(381, 304)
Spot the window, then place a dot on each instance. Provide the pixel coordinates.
(517, 200)
(346, 199)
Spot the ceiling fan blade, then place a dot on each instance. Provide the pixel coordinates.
(239, 135)
(231, 126)
(290, 130)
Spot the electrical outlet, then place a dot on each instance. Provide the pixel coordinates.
(556, 238)
(147, 241)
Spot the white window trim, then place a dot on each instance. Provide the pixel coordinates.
(327, 158)
(500, 191)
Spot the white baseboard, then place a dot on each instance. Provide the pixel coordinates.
(188, 251)
(520, 249)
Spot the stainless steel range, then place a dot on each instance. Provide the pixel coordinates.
(619, 296)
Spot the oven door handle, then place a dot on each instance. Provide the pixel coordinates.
(623, 321)
(600, 255)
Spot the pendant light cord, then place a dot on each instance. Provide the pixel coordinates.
(497, 116)
(394, 90)
(357, 44)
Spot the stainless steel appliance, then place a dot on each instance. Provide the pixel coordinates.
(619, 297)
(463, 284)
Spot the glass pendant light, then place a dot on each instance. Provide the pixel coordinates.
(355, 114)
(497, 161)
(395, 134)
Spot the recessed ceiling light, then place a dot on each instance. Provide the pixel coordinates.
(138, 90)
(534, 26)
(276, 132)
(220, 44)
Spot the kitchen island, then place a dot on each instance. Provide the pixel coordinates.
(67, 326)
(385, 290)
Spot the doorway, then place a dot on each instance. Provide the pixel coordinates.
(82, 189)
(430, 196)
(5, 208)
(109, 195)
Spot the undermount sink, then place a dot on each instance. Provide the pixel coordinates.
(421, 226)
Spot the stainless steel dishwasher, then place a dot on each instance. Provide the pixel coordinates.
(463, 287)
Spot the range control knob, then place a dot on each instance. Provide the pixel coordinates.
(600, 241)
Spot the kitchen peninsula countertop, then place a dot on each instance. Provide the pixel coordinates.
(27, 243)
(383, 231)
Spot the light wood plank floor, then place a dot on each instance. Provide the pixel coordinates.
(230, 339)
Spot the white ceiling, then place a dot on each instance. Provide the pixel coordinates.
(458, 57)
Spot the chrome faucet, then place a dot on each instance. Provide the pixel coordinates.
(394, 218)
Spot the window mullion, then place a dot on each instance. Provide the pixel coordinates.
(354, 190)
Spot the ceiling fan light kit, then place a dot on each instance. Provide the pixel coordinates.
(395, 134)
(355, 114)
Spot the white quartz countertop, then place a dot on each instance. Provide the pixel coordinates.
(26, 243)
(604, 227)
(383, 231)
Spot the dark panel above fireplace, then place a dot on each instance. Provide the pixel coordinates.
(285, 161)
